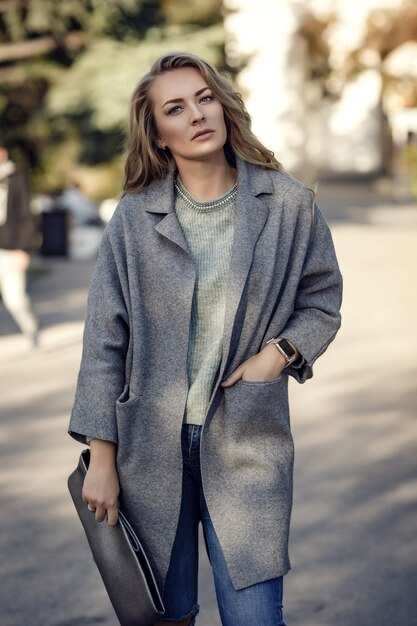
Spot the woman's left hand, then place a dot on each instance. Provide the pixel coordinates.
(263, 366)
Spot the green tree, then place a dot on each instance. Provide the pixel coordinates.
(67, 71)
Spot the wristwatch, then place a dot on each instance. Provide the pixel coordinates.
(285, 347)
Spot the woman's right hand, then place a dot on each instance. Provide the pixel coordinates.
(101, 484)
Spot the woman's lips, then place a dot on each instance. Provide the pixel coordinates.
(204, 135)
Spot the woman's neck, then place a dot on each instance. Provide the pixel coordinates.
(207, 181)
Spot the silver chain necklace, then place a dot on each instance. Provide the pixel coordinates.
(209, 205)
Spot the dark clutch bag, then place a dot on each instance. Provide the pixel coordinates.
(120, 558)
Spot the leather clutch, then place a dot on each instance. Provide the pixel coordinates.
(120, 558)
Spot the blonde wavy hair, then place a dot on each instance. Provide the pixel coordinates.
(145, 161)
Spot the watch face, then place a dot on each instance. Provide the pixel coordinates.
(288, 349)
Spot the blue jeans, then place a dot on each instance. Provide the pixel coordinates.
(259, 604)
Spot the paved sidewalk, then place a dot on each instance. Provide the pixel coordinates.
(353, 539)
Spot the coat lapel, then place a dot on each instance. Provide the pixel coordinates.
(250, 218)
(170, 228)
(160, 199)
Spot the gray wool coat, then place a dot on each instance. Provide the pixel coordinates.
(132, 385)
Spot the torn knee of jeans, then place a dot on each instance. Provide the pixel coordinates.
(192, 613)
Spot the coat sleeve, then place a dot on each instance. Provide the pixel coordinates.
(106, 337)
(316, 317)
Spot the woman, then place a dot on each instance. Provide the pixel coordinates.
(216, 280)
(17, 228)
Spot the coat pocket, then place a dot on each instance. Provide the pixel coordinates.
(261, 382)
(126, 398)
(253, 405)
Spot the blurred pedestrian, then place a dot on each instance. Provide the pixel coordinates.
(216, 281)
(16, 232)
(84, 212)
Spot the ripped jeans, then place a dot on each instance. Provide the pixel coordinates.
(259, 604)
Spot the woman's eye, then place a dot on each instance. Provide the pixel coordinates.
(173, 110)
(178, 108)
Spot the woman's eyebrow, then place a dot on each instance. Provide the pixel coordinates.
(197, 93)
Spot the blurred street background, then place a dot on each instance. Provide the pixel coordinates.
(332, 89)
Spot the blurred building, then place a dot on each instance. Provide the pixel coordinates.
(310, 133)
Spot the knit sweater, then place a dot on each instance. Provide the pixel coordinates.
(208, 228)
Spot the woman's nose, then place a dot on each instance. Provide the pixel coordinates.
(197, 115)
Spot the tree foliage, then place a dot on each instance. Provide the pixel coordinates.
(67, 70)
(385, 31)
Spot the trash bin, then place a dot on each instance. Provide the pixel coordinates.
(55, 228)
